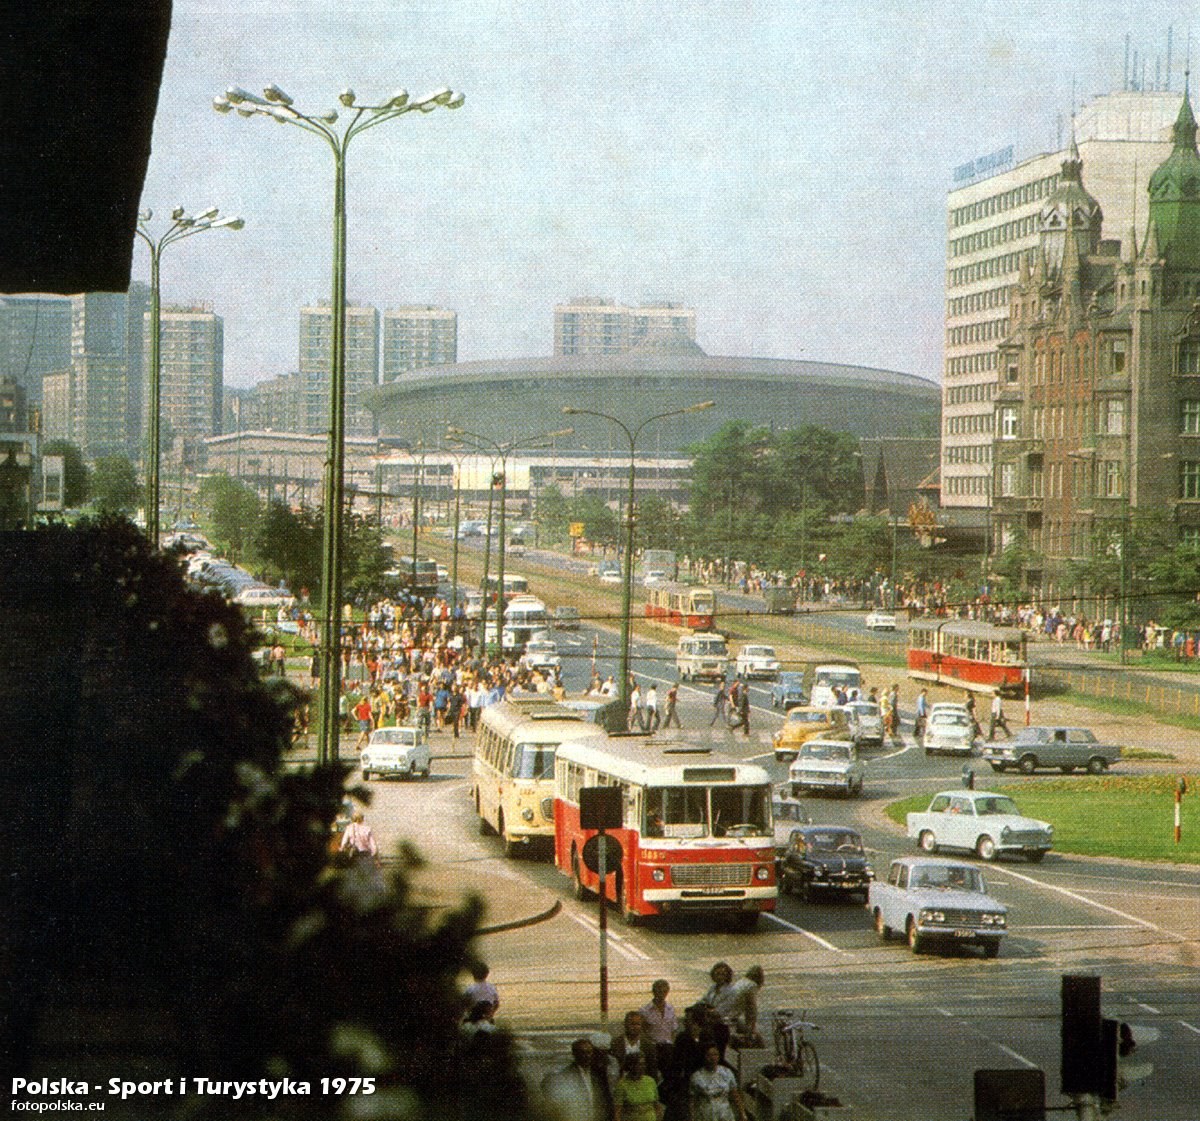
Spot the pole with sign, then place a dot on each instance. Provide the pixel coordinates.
(600, 809)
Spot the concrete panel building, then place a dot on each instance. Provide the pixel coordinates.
(362, 366)
(592, 325)
(415, 337)
(192, 363)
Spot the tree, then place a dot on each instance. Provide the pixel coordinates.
(75, 471)
(288, 543)
(114, 485)
(165, 880)
(233, 511)
(553, 515)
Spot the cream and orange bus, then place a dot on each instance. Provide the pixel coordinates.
(513, 771)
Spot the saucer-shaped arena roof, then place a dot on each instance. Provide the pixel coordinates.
(510, 399)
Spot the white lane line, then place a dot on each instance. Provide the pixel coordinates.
(1015, 1055)
(615, 940)
(807, 933)
(1092, 903)
(1190, 1027)
(1148, 1008)
(945, 1012)
(1086, 926)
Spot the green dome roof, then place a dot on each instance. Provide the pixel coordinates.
(1175, 194)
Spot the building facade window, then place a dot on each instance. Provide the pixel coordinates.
(1189, 537)
(1008, 480)
(1008, 423)
(1189, 417)
(1189, 357)
(1110, 473)
(1190, 478)
(1114, 416)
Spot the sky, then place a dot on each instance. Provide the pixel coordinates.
(780, 167)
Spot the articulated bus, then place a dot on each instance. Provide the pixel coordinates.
(681, 605)
(970, 655)
(513, 771)
(696, 836)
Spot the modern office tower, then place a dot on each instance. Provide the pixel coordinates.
(362, 366)
(56, 406)
(99, 383)
(35, 340)
(416, 337)
(591, 325)
(1097, 412)
(992, 228)
(192, 366)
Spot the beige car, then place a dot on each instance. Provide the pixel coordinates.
(805, 723)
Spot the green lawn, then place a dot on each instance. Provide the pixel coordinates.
(1126, 816)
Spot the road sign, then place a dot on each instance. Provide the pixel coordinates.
(612, 853)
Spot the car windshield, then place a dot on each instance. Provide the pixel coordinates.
(834, 840)
(393, 736)
(996, 804)
(950, 719)
(799, 716)
(864, 709)
(759, 652)
(848, 678)
(687, 812)
(834, 751)
(948, 877)
(534, 761)
(710, 646)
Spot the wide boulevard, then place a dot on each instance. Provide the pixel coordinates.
(900, 1035)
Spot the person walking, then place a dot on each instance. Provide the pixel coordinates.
(719, 698)
(652, 717)
(922, 715)
(997, 719)
(365, 717)
(672, 702)
(635, 1096)
(713, 1094)
(637, 716)
(743, 711)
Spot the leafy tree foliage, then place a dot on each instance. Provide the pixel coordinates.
(75, 472)
(165, 881)
(288, 544)
(114, 485)
(233, 511)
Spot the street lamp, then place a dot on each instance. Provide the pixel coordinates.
(278, 106)
(627, 593)
(502, 452)
(182, 225)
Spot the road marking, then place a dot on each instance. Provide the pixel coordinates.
(1147, 1008)
(1086, 926)
(1015, 1055)
(615, 940)
(807, 933)
(1092, 903)
(1190, 1027)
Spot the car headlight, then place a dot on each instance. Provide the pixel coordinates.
(527, 814)
(1005, 833)
(762, 873)
(818, 872)
(928, 915)
(991, 918)
(659, 876)
(366, 760)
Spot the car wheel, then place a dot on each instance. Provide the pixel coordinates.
(985, 848)
(425, 771)
(881, 928)
(366, 775)
(856, 789)
(1027, 764)
(927, 841)
(915, 942)
(1034, 856)
(805, 891)
(1067, 770)
(1096, 766)
(991, 948)
(998, 768)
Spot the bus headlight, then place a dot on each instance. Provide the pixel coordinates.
(659, 876)
(931, 916)
(762, 874)
(527, 814)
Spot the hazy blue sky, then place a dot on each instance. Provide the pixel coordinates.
(778, 166)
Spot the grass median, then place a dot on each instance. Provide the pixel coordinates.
(1131, 817)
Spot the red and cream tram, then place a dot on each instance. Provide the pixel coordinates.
(970, 655)
(681, 605)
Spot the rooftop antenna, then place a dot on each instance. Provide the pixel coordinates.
(1134, 72)
(1170, 38)
(1125, 86)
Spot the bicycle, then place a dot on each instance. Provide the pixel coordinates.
(793, 1052)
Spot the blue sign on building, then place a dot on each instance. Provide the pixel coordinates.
(984, 165)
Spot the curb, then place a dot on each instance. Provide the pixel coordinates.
(517, 924)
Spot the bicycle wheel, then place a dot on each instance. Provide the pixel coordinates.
(785, 1047)
(808, 1067)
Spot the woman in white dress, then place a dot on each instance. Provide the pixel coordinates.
(713, 1093)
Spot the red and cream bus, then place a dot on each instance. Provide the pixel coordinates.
(696, 835)
(681, 605)
(969, 655)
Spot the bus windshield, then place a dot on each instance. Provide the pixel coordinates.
(702, 601)
(534, 761)
(708, 811)
(710, 645)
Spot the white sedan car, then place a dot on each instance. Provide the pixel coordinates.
(881, 621)
(757, 661)
(402, 752)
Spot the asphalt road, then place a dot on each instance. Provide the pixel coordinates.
(900, 1035)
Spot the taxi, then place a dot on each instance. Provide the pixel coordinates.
(804, 723)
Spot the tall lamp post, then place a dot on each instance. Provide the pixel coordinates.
(278, 106)
(182, 225)
(502, 452)
(627, 593)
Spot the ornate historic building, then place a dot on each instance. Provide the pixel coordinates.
(1097, 407)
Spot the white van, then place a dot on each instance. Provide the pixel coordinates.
(820, 678)
(704, 655)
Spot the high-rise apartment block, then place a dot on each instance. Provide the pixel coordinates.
(192, 366)
(993, 229)
(362, 366)
(35, 340)
(591, 325)
(415, 337)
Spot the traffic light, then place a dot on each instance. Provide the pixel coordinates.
(1081, 1035)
